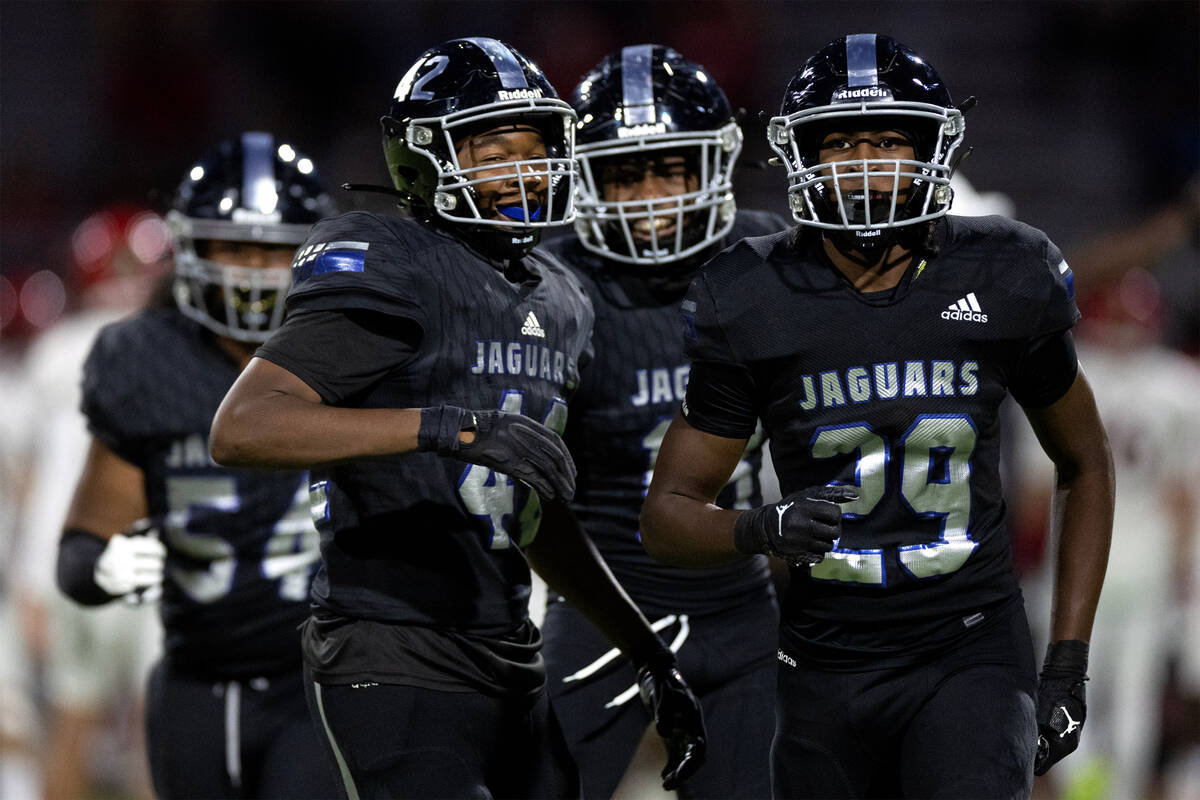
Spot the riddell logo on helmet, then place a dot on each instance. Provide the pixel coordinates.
(246, 216)
(862, 93)
(518, 94)
(645, 129)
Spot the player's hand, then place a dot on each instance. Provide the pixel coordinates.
(677, 716)
(132, 564)
(1061, 706)
(510, 443)
(800, 529)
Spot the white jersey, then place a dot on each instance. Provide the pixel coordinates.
(1148, 401)
(58, 442)
(95, 654)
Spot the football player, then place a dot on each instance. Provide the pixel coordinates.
(875, 342)
(424, 369)
(232, 552)
(657, 143)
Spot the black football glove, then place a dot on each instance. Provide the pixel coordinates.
(677, 716)
(1061, 707)
(800, 529)
(510, 443)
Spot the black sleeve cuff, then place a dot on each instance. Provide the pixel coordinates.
(78, 552)
(1046, 370)
(720, 399)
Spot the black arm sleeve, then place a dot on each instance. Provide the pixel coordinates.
(720, 399)
(78, 552)
(339, 353)
(1045, 370)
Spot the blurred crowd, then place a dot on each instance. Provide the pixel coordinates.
(84, 243)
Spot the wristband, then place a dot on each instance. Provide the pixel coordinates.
(1067, 658)
(649, 649)
(745, 538)
(440, 426)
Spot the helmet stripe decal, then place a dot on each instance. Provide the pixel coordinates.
(258, 172)
(638, 84)
(512, 75)
(861, 66)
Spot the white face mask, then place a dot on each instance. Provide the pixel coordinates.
(693, 221)
(903, 191)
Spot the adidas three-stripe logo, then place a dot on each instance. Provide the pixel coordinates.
(532, 327)
(966, 309)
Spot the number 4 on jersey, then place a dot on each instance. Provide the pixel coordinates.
(491, 496)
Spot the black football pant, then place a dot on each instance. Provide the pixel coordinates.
(959, 726)
(390, 741)
(232, 739)
(728, 659)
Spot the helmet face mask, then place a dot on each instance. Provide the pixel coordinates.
(641, 104)
(455, 196)
(250, 190)
(694, 219)
(464, 88)
(857, 84)
(241, 302)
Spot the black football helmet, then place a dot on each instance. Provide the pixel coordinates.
(250, 189)
(860, 82)
(640, 100)
(465, 86)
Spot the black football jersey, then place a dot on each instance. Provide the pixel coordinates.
(628, 396)
(897, 393)
(420, 539)
(241, 545)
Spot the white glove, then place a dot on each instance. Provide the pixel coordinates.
(131, 564)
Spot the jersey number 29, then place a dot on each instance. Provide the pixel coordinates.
(934, 457)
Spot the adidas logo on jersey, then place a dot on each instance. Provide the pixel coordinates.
(966, 309)
(532, 327)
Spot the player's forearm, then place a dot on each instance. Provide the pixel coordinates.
(279, 431)
(1083, 513)
(686, 532)
(565, 557)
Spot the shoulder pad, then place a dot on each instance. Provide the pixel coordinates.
(137, 362)
(365, 260)
(1032, 268)
(750, 222)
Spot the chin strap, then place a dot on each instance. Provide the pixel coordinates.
(407, 201)
(868, 257)
(497, 243)
(866, 253)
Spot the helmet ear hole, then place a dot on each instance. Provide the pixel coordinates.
(391, 127)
